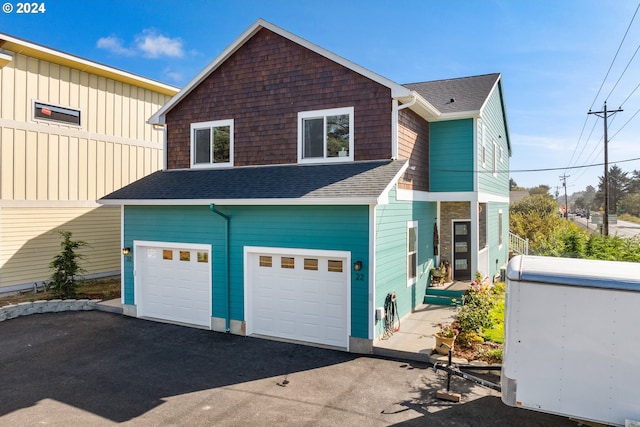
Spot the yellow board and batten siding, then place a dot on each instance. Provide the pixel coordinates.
(52, 174)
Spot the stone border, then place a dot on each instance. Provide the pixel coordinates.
(46, 306)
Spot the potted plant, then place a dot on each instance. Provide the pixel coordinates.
(445, 338)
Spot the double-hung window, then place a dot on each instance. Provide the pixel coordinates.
(412, 252)
(325, 135)
(212, 144)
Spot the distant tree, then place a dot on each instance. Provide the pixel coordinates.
(513, 186)
(542, 205)
(630, 203)
(618, 187)
(541, 189)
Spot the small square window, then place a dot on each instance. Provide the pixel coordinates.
(203, 257)
(185, 255)
(310, 264)
(167, 254)
(266, 261)
(287, 262)
(335, 266)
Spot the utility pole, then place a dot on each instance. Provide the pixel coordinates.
(605, 115)
(566, 204)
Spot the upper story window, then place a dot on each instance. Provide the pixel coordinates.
(212, 144)
(494, 167)
(325, 135)
(53, 113)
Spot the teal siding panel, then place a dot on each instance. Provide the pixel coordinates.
(493, 120)
(391, 253)
(498, 253)
(451, 156)
(185, 224)
(343, 228)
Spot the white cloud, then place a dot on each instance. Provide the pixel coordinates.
(114, 45)
(155, 45)
(149, 44)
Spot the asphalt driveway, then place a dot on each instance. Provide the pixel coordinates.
(95, 368)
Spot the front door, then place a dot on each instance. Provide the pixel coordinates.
(462, 250)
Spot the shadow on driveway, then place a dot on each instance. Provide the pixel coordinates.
(104, 368)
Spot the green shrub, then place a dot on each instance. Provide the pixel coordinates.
(66, 266)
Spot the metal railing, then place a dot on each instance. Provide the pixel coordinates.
(518, 245)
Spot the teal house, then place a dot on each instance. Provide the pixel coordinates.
(300, 191)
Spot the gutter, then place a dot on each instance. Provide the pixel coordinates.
(228, 255)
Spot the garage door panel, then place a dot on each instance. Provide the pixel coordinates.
(175, 289)
(307, 302)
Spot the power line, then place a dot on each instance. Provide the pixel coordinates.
(532, 170)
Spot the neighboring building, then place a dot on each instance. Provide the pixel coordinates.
(517, 195)
(299, 190)
(71, 131)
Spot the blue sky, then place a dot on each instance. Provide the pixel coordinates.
(553, 56)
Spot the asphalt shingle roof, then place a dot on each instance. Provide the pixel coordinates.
(467, 93)
(341, 180)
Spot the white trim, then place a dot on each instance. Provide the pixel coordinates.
(136, 244)
(395, 126)
(56, 122)
(26, 48)
(488, 97)
(317, 114)
(412, 224)
(383, 199)
(72, 131)
(462, 196)
(500, 227)
(372, 270)
(397, 91)
(210, 125)
(243, 202)
(494, 160)
(122, 256)
(324, 253)
(50, 204)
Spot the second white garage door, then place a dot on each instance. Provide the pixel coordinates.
(298, 294)
(173, 282)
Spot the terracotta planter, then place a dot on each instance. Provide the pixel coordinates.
(443, 344)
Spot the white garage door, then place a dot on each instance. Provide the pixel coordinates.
(300, 295)
(173, 282)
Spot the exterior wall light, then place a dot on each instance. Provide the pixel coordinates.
(357, 266)
(126, 251)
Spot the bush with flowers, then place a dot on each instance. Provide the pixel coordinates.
(447, 330)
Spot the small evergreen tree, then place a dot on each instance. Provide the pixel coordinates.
(66, 266)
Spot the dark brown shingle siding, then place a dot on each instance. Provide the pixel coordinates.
(263, 86)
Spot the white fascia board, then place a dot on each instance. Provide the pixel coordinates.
(243, 202)
(495, 85)
(28, 48)
(397, 90)
(463, 196)
(424, 108)
(383, 199)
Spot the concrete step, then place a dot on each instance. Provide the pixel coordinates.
(441, 300)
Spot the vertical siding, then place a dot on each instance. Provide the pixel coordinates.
(49, 161)
(391, 253)
(451, 156)
(493, 120)
(342, 228)
(30, 240)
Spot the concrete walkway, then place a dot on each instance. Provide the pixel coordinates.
(415, 340)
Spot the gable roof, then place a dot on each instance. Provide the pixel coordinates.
(13, 44)
(397, 91)
(464, 95)
(339, 183)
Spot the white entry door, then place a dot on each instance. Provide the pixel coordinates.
(298, 294)
(173, 282)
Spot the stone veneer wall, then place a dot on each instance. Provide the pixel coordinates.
(448, 212)
(46, 306)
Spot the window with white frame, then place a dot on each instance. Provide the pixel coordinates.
(212, 144)
(494, 160)
(412, 252)
(501, 155)
(325, 135)
(55, 113)
(500, 227)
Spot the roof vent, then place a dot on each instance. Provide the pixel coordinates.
(452, 100)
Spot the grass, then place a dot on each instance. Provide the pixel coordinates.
(105, 289)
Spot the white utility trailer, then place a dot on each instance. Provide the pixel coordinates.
(572, 338)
